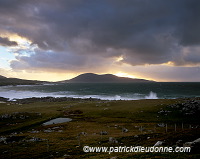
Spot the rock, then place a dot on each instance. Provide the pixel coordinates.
(124, 130)
(52, 99)
(188, 144)
(158, 143)
(195, 145)
(35, 131)
(103, 133)
(34, 139)
(65, 155)
(190, 107)
(115, 157)
(116, 126)
(48, 131)
(3, 139)
(197, 140)
(56, 127)
(83, 133)
(161, 125)
(112, 140)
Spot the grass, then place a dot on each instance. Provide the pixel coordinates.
(65, 140)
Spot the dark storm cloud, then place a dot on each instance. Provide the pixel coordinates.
(7, 42)
(141, 31)
(189, 23)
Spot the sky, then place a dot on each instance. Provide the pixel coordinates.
(55, 40)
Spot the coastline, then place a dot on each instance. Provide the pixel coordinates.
(63, 99)
(122, 91)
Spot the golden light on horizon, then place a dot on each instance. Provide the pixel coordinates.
(37, 75)
(122, 74)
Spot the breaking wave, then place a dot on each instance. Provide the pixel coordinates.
(151, 95)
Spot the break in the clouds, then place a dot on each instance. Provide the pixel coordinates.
(83, 34)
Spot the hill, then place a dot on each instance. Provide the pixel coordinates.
(16, 81)
(2, 77)
(106, 78)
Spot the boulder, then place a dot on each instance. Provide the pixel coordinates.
(158, 143)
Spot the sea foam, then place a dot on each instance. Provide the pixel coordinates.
(151, 95)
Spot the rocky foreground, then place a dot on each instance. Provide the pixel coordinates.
(188, 107)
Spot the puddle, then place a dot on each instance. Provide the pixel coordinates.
(57, 121)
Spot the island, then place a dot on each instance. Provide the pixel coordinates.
(105, 78)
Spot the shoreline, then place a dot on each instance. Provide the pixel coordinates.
(64, 99)
(102, 92)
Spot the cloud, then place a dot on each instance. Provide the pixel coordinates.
(166, 73)
(80, 35)
(60, 62)
(7, 42)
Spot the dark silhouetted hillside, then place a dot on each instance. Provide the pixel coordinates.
(2, 77)
(107, 78)
(15, 81)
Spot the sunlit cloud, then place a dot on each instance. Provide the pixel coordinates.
(118, 59)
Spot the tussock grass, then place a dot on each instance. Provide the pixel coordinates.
(139, 117)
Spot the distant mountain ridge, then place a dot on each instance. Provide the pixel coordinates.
(83, 78)
(106, 78)
(2, 77)
(4, 81)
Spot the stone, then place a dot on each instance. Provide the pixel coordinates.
(158, 143)
(112, 140)
(103, 133)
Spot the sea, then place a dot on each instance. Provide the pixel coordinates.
(105, 91)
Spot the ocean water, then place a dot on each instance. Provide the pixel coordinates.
(106, 91)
